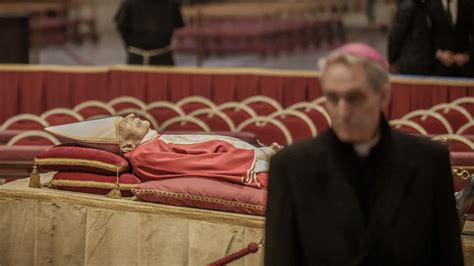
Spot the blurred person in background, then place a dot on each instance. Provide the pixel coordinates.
(453, 37)
(146, 27)
(369, 9)
(410, 50)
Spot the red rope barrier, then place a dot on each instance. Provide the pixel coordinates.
(251, 248)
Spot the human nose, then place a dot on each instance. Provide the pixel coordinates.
(343, 108)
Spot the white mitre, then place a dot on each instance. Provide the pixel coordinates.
(101, 134)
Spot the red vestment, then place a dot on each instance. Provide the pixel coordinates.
(210, 158)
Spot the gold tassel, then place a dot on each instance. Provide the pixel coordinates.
(35, 181)
(115, 192)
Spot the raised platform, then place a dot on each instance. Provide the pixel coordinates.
(46, 226)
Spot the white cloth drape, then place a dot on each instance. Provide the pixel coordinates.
(50, 227)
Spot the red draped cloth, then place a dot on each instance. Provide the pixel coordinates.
(36, 89)
(215, 159)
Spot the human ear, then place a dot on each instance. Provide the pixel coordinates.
(386, 95)
(127, 146)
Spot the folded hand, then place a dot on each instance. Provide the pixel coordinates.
(446, 57)
(460, 59)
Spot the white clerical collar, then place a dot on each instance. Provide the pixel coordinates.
(453, 9)
(363, 149)
(152, 134)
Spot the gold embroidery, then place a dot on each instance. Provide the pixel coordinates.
(201, 198)
(79, 162)
(462, 173)
(88, 184)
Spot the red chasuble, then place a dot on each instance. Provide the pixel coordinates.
(175, 156)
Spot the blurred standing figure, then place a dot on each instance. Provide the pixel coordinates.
(361, 193)
(369, 9)
(146, 27)
(410, 50)
(452, 35)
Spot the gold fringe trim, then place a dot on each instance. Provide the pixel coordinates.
(89, 184)
(16, 190)
(201, 198)
(80, 162)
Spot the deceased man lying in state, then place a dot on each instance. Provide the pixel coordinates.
(155, 156)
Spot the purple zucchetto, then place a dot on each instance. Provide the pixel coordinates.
(364, 51)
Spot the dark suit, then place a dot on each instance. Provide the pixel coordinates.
(328, 207)
(457, 38)
(409, 42)
(149, 25)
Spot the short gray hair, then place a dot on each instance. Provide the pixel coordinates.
(377, 75)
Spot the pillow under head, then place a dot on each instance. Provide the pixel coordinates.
(69, 158)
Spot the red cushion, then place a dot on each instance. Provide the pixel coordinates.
(204, 193)
(21, 153)
(81, 159)
(93, 183)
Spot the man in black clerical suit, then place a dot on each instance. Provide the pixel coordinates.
(409, 42)
(453, 37)
(361, 193)
(146, 27)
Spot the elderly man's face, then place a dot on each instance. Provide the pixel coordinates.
(132, 129)
(353, 105)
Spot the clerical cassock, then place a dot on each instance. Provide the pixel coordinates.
(146, 27)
